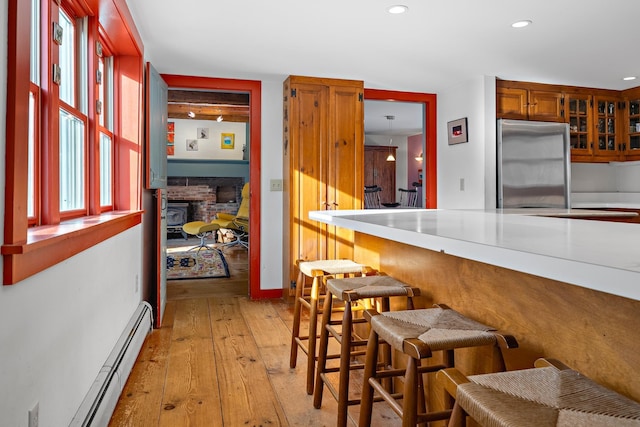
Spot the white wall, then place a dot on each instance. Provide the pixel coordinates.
(208, 148)
(58, 327)
(271, 201)
(615, 177)
(465, 170)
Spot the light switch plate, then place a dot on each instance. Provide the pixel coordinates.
(275, 185)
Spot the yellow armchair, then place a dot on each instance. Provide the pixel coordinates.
(238, 224)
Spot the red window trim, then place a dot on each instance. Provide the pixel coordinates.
(50, 244)
(27, 251)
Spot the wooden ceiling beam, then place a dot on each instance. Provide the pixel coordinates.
(233, 107)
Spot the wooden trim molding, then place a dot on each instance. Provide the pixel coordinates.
(254, 88)
(49, 245)
(430, 133)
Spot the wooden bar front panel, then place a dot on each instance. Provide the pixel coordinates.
(592, 332)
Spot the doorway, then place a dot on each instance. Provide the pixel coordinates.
(428, 101)
(253, 89)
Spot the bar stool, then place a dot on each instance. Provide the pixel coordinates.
(356, 294)
(416, 334)
(308, 298)
(549, 395)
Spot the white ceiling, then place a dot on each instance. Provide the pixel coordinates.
(435, 45)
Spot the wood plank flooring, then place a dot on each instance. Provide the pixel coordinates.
(221, 359)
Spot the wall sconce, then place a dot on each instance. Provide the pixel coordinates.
(419, 158)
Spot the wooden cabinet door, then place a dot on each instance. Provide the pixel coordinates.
(511, 103)
(578, 110)
(308, 188)
(546, 106)
(631, 143)
(607, 135)
(345, 184)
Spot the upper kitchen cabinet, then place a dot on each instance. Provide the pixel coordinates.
(528, 101)
(604, 125)
(631, 124)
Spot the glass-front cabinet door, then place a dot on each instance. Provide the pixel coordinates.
(634, 126)
(606, 142)
(578, 107)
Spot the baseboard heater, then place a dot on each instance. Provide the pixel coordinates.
(98, 405)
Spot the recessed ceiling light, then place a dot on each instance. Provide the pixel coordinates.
(398, 8)
(629, 78)
(191, 114)
(521, 24)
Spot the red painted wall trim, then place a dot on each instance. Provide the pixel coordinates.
(431, 134)
(17, 133)
(254, 88)
(50, 245)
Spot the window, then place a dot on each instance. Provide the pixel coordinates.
(104, 110)
(63, 144)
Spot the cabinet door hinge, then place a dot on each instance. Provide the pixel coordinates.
(360, 97)
(293, 93)
(562, 101)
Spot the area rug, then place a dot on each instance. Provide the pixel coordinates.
(184, 264)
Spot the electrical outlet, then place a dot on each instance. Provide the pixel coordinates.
(461, 184)
(276, 185)
(34, 417)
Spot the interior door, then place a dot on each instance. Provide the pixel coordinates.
(156, 127)
(156, 154)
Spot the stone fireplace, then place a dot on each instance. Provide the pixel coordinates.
(205, 196)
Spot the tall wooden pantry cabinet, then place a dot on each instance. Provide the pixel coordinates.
(323, 166)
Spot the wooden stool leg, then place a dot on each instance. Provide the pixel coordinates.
(410, 397)
(345, 362)
(371, 360)
(313, 332)
(322, 351)
(458, 417)
(295, 330)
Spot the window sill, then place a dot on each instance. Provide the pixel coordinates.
(51, 244)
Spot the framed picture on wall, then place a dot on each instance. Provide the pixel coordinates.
(192, 145)
(227, 140)
(457, 131)
(203, 133)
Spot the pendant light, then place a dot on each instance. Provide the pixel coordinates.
(390, 157)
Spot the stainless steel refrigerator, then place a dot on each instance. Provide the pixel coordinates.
(534, 164)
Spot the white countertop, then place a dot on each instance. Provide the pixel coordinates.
(599, 255)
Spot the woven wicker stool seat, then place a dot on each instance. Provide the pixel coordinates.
(355, 294)
(551, 395)
(307, 296)
(417, 334)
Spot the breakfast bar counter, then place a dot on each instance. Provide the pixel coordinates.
(599, 255)
(566, 288)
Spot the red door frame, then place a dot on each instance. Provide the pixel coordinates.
(254, 88)
(430, 133)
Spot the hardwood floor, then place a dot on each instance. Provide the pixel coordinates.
(221, 359)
